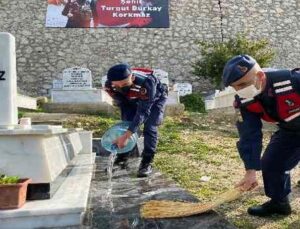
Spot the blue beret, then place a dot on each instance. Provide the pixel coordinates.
(236, 68)
(118, 72)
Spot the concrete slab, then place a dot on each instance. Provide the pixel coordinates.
(26, 102)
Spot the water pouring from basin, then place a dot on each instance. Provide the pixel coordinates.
(110, 165)
(108, 144)
(115, 132)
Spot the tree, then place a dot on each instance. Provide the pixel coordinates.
(214, 56)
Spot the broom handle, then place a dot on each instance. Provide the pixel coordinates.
(227, 197)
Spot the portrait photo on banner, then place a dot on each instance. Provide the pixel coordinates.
(108, 13)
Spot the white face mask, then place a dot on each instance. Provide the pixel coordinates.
(249, 92)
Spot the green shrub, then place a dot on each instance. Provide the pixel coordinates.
(21, 114)
(214, 56)
(193, 102)
(9, 179)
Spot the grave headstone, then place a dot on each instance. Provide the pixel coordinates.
(8, 81)
(162, 75)
(77, 78)
(57, 84)
(75, 94)
(173, 98)
(183, 88)
(103, 80)
(42, 153)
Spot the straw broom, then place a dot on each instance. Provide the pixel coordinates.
(172, 209)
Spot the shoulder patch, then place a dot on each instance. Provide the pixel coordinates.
(143, 91)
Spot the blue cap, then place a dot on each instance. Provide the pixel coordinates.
(118, 72)
(236, 68)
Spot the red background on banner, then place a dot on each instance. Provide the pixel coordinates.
(106, 17)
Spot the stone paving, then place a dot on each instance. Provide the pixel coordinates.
(119, 207)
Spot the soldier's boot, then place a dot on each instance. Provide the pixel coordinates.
(145, 168)
(271, 207)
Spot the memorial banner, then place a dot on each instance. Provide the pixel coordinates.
(108, 13)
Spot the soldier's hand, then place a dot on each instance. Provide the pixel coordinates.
(249, 182)
(69, 15)
(121, 141)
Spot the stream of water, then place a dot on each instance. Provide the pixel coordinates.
(110, 165)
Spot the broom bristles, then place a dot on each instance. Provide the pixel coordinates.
(172, 209)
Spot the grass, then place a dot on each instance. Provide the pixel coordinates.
(243, 223)
(187, 151)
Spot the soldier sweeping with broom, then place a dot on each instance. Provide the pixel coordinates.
(274, 97)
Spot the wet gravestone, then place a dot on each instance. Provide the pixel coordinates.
(117, 205)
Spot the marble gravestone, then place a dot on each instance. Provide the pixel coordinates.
(162, 75)
(173, 98)
(8, 85)
(76, 87)
(173, 105)
(8, 82)
(74, 94)
(25, 149)
(52, 156)
(183, 88)
(77, 78)
(57, 84)
(222, 99)
(103, 80)
(40, 152)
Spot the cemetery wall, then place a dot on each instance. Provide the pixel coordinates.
(43, 53)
